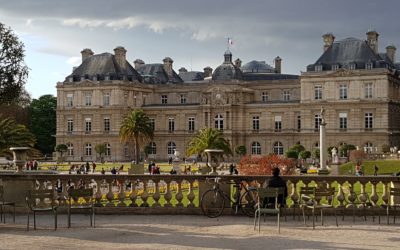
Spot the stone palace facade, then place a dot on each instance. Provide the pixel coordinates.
(254, 104)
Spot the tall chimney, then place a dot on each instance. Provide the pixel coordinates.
(120, 56)
(208, 71)
(86, 53)
(168, 65)
(182, 70)
(238, 63)
(278, 65)
(372, 40)
(138, 63)
(391, 52)
(328, 38)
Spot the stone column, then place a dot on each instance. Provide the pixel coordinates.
(322, 145)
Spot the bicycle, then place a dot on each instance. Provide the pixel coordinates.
(213, 200)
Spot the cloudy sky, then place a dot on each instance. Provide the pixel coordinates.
(192, 33)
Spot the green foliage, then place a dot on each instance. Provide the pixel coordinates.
(298, 148)
(136, 128)
(147, 150)
(101, 150)
(316, 153)
(345, 149)
(292, 154)
(43, 122)
(208, 138)
(241, 150)
(385, 148)
(13, 134)
(13, 71)
(305, 154)
(61, 148)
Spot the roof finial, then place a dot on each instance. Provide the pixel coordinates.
(229, 42)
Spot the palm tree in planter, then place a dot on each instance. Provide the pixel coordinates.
(136, 128)
(208, 138)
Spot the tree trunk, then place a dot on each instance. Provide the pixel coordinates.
(137, 155)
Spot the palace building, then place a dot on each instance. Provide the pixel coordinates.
(254, 104)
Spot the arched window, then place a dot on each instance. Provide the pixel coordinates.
(219, 122)
(256, 148)
(153, 148)
(368, 147)
(88, 149)
(108, 149)
(70, 149)
(278, 148)
(171, 146)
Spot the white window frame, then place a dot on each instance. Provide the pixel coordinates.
(70, 125)
(317, 121)
(286, 95)
(343, 92)
(171, 146)
(256, 148)
(317, 92)
(368, 88)
(343, 121)
(264, 97)
(108, 149)
(191, 124)
(88, 149)
(369, 120)
(171, 124)
(219, 122)
(107, 124)
(278, 148)
(164, 99)
(88, 125)
(70, 100)
(70, 149)
(256, 122)
(106, 99)
(278, 123)
(88, 99)
(183, 99)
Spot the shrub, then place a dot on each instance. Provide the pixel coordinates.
(305, 154)
(292, 154)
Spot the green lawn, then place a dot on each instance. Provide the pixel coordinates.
(386, 167)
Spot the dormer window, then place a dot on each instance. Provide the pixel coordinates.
(82, 78)
(369, 65)
(71, 79)
(352, 66)
(95, 78)
(107, 78)
(335, 67)
(318, 67)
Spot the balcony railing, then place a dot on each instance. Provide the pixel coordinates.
(182, 193)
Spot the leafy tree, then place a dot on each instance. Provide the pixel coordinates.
(147, 150)
(292, 154)
(13, 134)
(61, 149)
(241, 150)
(101, 149)
(43, 122)
(345, 149)
(305, 154)
(385, 148)
(208, 138)
(136, 127)
(13, 71)
(316, 153)
(249, 165)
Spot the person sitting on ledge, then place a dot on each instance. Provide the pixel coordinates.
(278, 182)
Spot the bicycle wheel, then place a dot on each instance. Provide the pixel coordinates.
(248, 202)
(212, 203)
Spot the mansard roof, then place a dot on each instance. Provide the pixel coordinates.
(349, 51)
(102, 65)
(156, 74)
(192, 76)
(257, 67)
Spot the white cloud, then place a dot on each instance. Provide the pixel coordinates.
(73, 61)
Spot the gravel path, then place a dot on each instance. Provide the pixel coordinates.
(195, 232)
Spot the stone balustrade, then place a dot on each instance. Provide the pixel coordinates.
(180, 194)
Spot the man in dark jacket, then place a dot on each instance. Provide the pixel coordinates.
(277, 181)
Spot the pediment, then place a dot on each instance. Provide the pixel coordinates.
(342, 72)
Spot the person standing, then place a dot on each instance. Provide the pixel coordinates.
(93, 167)
(376, 170)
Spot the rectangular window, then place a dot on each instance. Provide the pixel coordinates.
(183, 99)
(88, 100)
(298, 123)
(317, 121)
(88, 125)
(369, 120)
(70, 98)
(126, 151)
(318, 68)
(335, 67)
(70, 149)
(264, 96)
(88, 149)
(343, 121)
(107, 124)
(278, 123)
(318, 92)
(171, 125)
(343, 91)
(368, 90)
(152, 123)
(106, 100)
(368, 66)
(164, 99)
(70, 125)
(286, 95)
(191, 124)
(256, 122)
